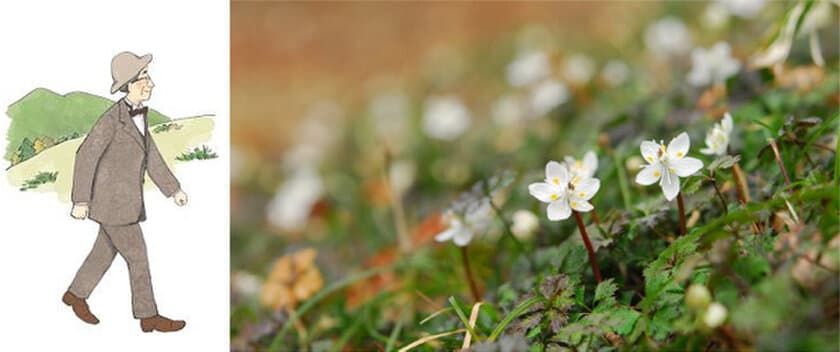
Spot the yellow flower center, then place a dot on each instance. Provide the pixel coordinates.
(556, 181)
(656, 173)
(680, 154)
(581, 194)
(574, 204)
(554, 197)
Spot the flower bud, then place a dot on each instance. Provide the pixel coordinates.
(715, 315)
(697, 296)
(524, 224)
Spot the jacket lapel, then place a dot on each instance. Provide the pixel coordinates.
(128, 125)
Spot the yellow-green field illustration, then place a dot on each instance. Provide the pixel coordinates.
(47, 129)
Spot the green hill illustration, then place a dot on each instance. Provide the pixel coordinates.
(44, 118)
(47, 129)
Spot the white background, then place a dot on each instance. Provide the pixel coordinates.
(67, 46)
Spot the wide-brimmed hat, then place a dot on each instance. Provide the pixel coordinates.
(125, 66)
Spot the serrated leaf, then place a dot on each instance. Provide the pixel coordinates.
(623, 319)
(724, 162)
(605, 289)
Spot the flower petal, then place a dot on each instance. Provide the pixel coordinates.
(556, 173)
(678, 147)
(686, 166)
(581, 205)
(590, 161)
(726, 123)
(649, 174)
(559, 210)
(544, 191)
(446, 235)
(463, 237)
(650, 150)
(587, 188)
(670, 184)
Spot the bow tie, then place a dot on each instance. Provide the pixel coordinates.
(140, 111)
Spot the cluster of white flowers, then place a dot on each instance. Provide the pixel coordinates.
(698, 298)
(568, 186)
(471, 213)
(713, 65)
(289, 209)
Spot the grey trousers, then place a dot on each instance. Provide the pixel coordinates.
(127, 240)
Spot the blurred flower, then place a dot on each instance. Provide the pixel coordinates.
(564, 192)
(401, 175)
(313, 142)
(293, 278)
(634, 163)
(245, 284)
(507, 110)
(715, 16)
(717, 139)
(289, 209)
(743, 8)
(389, 113)
(715, 315)
(667, 164)
(525, 223)
(615, 72)
(548, 95)
(714, 65)
(471, 212)
(528, 67)
(697, 296)
(445, 118)
(582, 168)
(578, 69)
(461, 228)
(817, 18)
(668, 36)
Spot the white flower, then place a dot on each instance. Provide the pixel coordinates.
(668, 36)
(461, 228)
(615, 72)
(245, 284)
(715, 315)
(547, 96)
(714, 65)
(715, 16)
(667, 164)
(583, 168)
(743, 8)
(525, 223)
(564, 192)
(717, 139)
(578, 69)
(528, 68)
(289, 209)
(507, 110)
(445, 118)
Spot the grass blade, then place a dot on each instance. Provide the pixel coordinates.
(513, 315)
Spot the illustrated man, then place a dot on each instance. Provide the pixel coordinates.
(108, 178)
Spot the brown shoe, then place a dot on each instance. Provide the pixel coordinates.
(161, 323)
(80, 307)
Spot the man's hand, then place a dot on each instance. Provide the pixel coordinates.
(79, 211)
(180, 198)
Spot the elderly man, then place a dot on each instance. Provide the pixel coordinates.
(108, 178)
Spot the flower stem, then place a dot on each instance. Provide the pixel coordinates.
(592, 260)
(595, 217)
(779, 160)
(473, 287)
(720, 195)
(680, 204)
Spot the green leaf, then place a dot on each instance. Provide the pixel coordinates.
(516, 312)
(605, 289)
(724, 162)
(623, 319)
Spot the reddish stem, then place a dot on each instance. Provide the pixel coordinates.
(473, 286)
(680, 204)
(592, 260)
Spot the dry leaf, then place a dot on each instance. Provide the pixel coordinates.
(293, 278)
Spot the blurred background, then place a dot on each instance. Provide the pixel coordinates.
(356, 125)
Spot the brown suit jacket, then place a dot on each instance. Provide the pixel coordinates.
(110, 167)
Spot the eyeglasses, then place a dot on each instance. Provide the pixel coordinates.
(137, 79)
